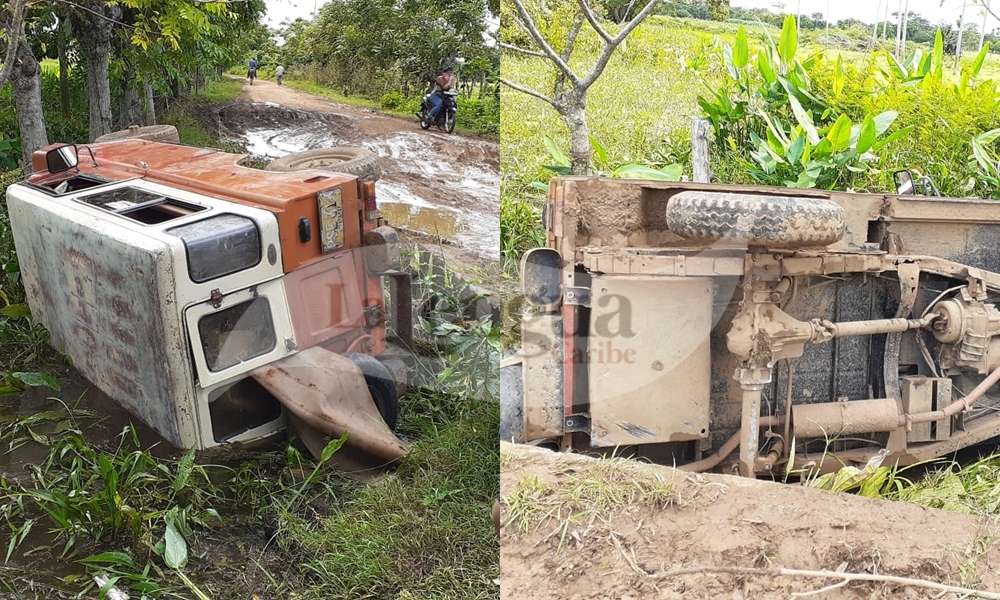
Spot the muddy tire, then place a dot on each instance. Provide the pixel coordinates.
(449, 123)
(381, 384)
(360, 162)
(755, 219)
(154, 133)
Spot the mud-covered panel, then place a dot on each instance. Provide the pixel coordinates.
(542, 364)
(973, 244)
(648, 360)
(106, 296)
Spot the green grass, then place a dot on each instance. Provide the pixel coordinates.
(181, 115)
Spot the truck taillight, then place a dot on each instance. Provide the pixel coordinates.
(371, 207)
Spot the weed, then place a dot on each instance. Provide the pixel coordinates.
(584, 499)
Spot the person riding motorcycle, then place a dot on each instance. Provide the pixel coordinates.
(444, 82)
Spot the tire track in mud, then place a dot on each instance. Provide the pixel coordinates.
(435, 184)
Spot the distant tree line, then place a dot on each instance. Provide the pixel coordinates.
(377, 47)
(918, 29)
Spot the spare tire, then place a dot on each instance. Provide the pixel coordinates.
(360, 162)
(756, 219)
(154, 133)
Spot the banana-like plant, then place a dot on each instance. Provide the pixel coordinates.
(987, 159)
(772, 113)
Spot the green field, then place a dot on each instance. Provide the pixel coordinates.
(641, 109)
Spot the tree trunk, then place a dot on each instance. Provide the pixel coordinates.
(149, 107)
(94, 37)
(575, 116)
(63, 77)
(28, 103)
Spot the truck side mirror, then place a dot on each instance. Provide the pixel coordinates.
(904, 183)
(62, 158)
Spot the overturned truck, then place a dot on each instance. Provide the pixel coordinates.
(216, 302)
(757, 329)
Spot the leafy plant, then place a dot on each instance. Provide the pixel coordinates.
(986, 158)
(605, 166)
(771, 113)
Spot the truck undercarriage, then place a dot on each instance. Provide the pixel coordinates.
(760, 329)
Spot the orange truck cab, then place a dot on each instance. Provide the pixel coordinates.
(168, 274)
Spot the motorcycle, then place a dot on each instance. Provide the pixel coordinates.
(445, 120)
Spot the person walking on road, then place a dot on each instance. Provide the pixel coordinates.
(279, 74)
(252, 70)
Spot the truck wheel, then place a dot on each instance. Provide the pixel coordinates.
(757, 219)
(360, 162)
(154, 133)
(381, 384)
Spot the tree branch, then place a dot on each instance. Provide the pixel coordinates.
(523, 50)
(526, 90)
(540, 41)
(13, 39)
(986, 5)
(567, 52)
(841, 575)
(587, 12)
(611, 45)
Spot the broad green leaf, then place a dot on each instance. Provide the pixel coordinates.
(741, 51)
(15, 311)
(866, 136)
(184, 467)
(789, 40)
(37, 379)
(766, 68)
(727, 58)
(557, 155)
(892, 137)
(600, 152)
(924, 67)
(109, 558)
(977, 64)
(174, 547)
(804, 120)
(884, 120)
(332, 447)
(636, 171)
(796, 148)
(937, 56)
(840, 133)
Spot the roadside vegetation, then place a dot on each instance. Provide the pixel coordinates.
(272, 522)
(943, 120)
(394, 56)
(78, 501)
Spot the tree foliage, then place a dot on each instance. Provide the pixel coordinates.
(374, 46)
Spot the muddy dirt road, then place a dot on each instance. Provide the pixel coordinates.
(439, 186)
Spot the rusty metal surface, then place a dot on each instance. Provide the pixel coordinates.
(290, 196)
(649, 359)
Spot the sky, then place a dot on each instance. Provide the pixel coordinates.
(935, 11)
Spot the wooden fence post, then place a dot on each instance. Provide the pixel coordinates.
(699, 151)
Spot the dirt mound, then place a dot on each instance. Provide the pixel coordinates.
(578, 528)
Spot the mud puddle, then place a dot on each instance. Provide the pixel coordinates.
(439, 185)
